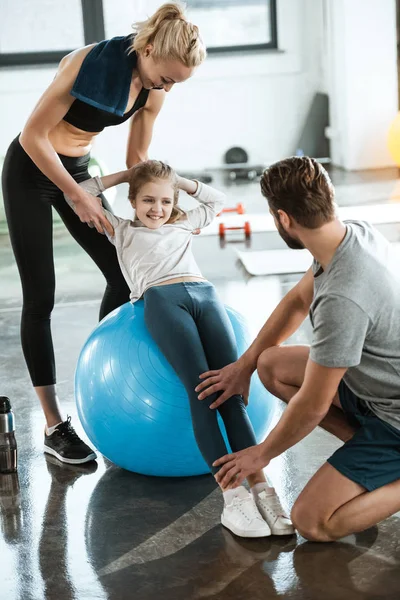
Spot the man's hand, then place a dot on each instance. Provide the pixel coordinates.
(236, 467)
(232, 379)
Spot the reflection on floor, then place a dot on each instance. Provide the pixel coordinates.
(98, 532)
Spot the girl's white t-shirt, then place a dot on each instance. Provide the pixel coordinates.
(150, 256)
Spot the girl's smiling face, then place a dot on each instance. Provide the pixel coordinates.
(154, 203)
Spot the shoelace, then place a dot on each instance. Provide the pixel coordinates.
(66, 430)
(254, 514)
(273, 504)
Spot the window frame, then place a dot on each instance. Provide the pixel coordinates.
(272, 45)
(94, 31)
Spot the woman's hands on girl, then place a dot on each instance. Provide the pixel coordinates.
(89, 209)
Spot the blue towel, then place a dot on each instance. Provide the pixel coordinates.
(105, 76)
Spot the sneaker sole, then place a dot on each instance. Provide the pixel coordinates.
(70, 461)
(241, 533)
(283, 531)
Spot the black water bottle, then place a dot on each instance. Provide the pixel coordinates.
(8, 444)
(11, 516)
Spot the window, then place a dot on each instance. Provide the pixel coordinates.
(225, 25)
(235, 25)
(34, 32)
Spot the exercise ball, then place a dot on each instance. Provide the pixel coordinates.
(394, 139)
(132, 405)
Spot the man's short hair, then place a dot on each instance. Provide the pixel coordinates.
(302, 188)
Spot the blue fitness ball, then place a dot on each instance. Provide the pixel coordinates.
(132, 405)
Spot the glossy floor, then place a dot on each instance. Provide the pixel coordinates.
(98, 532)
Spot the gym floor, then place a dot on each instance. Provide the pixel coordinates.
(98, 532)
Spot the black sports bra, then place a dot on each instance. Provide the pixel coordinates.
(89, 118)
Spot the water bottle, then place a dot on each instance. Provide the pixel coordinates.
(11, 517)
(8, 444)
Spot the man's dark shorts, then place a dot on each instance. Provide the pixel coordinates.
(372, 457)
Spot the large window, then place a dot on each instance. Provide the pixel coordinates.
(36, 32)
(226, 25)
(43, 31)
(235, 25)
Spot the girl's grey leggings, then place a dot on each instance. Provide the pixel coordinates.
(193, 331)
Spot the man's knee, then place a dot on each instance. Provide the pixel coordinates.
(308, 526)
(267, 367)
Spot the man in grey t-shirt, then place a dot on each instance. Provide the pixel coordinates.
(355, 315)
(348, 381)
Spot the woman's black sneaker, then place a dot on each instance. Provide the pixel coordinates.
(66, 445)
(67, 474)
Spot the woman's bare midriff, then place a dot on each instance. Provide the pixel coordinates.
(71, 141)
(180, 280)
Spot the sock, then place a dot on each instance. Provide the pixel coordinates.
(50, 430)
(229, 495)
(262, 487)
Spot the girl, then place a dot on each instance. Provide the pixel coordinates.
(95, 87)
(188, 321)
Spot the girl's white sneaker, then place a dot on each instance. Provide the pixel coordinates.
(272, 512)
(241, 516)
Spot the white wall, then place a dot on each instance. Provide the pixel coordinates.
(20, 89)
(257, 100)
(346, 48)
(362, 80)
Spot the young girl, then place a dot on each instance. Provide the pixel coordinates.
(188, 321)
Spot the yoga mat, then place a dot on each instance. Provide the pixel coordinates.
(281, 262)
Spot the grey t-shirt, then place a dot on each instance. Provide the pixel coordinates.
(355, 316)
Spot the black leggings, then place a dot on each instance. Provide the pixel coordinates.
(28, 198)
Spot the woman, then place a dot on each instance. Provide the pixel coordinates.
(95, 87)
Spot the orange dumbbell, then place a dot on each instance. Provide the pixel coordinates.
(246, 228)
(239, 209)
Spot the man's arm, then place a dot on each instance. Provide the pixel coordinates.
(141, 128)
(283, 322)
(340, 329)
(307, 409)
(285, 319)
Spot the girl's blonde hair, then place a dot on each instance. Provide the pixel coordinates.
(171, 35)
(152, 170)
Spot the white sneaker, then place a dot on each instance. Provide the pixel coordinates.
(241, 516)
(271, 510)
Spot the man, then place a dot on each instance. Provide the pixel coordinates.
(348, 381)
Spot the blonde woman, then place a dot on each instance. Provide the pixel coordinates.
(95, 87)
